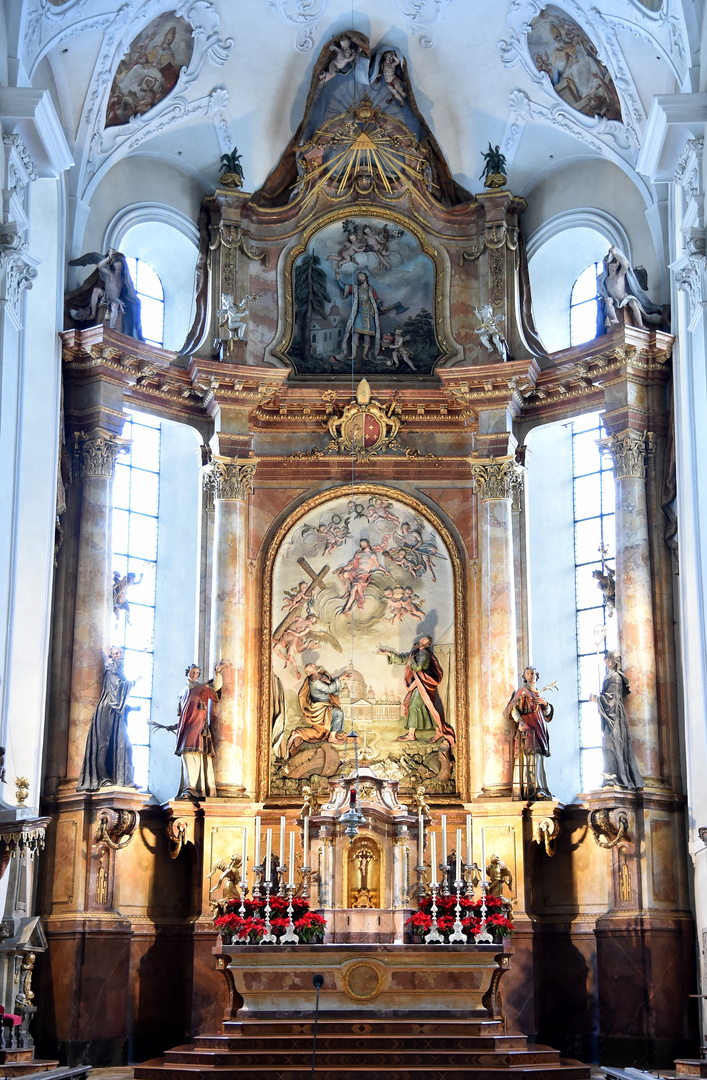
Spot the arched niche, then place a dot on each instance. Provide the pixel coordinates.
(348, 572)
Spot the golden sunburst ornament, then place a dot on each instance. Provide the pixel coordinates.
(362, 141)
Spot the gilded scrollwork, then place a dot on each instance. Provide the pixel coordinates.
(608, 833)
(546, 833)
(116, 828)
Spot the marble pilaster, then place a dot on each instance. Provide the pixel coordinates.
(496, 483)
(631, 457)
(231, 482)
(95, 455)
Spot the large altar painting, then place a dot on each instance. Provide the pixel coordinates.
(363, 631)
(363, 292)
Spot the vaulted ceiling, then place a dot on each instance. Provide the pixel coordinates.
(469, 61)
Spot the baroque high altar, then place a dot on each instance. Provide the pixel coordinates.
(363, 370)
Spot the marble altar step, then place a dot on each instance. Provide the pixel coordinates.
(452, 1056)
(355, 1041)
(431, 1066)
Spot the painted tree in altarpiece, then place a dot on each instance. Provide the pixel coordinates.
(311, 297)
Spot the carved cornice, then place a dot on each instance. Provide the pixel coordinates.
(229, 478)
(96, 454)
(630, 454)
(497, 479)
(23, 836)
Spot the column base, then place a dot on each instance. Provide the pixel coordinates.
(231, 791)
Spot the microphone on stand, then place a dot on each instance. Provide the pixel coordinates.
(318, 981)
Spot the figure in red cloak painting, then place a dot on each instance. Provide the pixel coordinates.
(422, 707)
(531, 713)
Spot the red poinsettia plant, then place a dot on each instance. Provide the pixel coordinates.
(498, 916)
(249, 928)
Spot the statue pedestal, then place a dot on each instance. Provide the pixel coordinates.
(417, 981)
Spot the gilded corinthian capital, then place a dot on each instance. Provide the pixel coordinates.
(96, 454)
(630, 454)
(229, 478)
(497, 479)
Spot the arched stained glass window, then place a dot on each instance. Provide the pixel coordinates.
(149, 289)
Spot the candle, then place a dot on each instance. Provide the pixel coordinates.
(459, 855)
(433, 858)
(281, 854)
(421, 838)
(244, 865)
(305, 843)
(256, 853)
(483, 858)
(444, 839)
(268, 852)
(291, 876)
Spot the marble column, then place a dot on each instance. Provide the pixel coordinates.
(496, 484)
(231, 481)
(634, 596)
(95, 458)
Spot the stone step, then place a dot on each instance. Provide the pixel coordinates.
(424, 1069)
(353, 1042)
(356, 1025)
(339, 1059)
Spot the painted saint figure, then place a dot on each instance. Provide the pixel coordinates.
(531, 714)
(108, 758)
(321, 708)
(620, 766)
(195, 744)
(364, 320)
(422, 707)
(356, 574)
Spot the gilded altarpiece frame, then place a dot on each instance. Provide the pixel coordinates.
(274, 660)
(447, 350)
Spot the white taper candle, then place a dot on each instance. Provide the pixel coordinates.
(291, 873)
(468, 839)
(459, 855)
(420, 838)
(256, 854)
(305, 843)
(444, 839)
(483, 858)
(281, 853)
(244, 864)
(268, 853)
(433, 858)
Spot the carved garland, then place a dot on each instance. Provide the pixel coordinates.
(273, 546)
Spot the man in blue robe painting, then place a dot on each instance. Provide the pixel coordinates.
(364, 320)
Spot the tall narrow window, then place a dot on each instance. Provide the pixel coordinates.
(151, 295)
(596, 626)
(135, 510)
(584, 305)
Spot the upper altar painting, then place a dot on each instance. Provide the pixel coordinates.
(561, 48)
(363, 298)
(150, 68)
